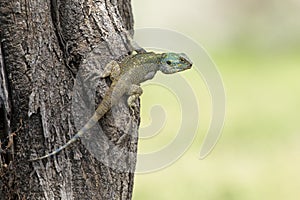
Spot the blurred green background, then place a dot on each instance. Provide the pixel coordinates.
(256, 46)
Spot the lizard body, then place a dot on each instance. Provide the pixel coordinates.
(126, 77)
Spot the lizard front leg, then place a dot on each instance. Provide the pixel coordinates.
(134, 92)
(112, 69)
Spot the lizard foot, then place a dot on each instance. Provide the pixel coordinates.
(112, 69)
(134, 92)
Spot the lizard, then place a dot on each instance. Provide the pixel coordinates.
(126, 76)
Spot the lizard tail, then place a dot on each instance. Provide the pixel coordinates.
(108, 100)
(92, 121)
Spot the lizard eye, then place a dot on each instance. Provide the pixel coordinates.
(169, 62)
(182, 59)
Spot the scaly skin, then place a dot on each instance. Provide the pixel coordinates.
(126, 77)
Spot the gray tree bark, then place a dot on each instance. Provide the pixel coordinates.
(44, 45)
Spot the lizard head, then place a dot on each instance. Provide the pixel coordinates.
(174, 62)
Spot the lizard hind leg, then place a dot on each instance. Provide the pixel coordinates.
(134, 92)
(112, 69)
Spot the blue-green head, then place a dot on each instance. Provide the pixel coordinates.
(174, 62)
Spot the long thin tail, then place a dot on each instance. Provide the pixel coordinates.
(108, 101)
(92, 121)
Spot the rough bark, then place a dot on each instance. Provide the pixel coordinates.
(45, 44)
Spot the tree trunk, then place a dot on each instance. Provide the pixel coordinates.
(45, 45)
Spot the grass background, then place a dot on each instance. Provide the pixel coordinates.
(256, 46)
